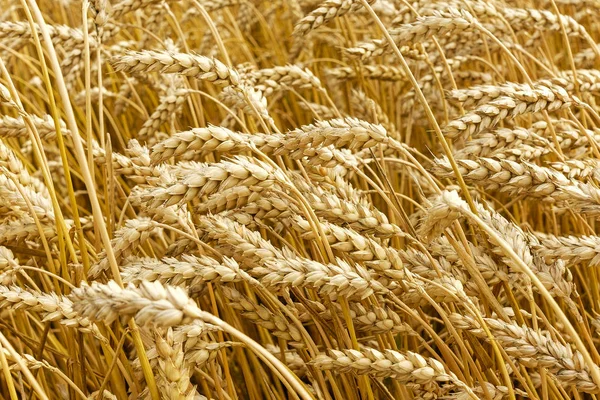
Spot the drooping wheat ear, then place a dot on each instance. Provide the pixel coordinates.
(100, 13)
(423, 265)
(544, 95)
(137, 168)
(296, 144)
(13, 197)
(366, 318)
(587, 169)
(540, 90)
(18, 231)
(10, 161)
(16, 127)
(126, 239)
(191, 352)
(281, 268)
(379, 72)
(275, 323)
(438, 216)
(573, 250)
(526, 179)
(5, 97)
(185, 64)
(250, 100)
(193, 331)
(492, 272)
(324, 13)
(126, 6)
(502, 142)
(270, 80)
(540, 20)
(441, 290)
(524, 152)
(439, 23)
(7, 259)
(202, 352)
(173, 373)
(406, 368)
(199, 179)
(173, 216)
(191, 272)
(240, 196)
(150, 302)
(378, 47)
(359, 215)
(197, 350)
(405, 14)
(202, 140)
(534, 349)
(51, 306)
(588, 80)
(348, 133)
(60, 34)
(167, 109)
(555, 277)
(346, 242)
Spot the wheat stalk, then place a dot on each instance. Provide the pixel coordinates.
(534, 348)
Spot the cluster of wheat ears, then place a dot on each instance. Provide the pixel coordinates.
(299, 199)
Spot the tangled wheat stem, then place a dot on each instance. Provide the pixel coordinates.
(509, 252)
(40, 155)
(23, 367)
(89, 183)
(288, 378)
(445, 146)
(423, 101)
(527, 78)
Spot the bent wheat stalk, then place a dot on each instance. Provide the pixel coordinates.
(459, 206)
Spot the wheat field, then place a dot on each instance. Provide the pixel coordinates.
(299, 199)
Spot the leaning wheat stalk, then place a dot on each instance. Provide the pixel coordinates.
(457, 206)
(162, 306)
(533, 349)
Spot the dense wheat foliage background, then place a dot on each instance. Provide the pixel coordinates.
(299, 199)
